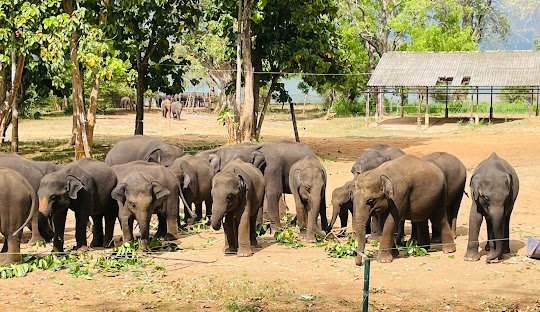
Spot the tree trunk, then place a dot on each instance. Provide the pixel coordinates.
(246, 121)
(17, 78)
(256, 95)
(81, 140)
(141, 87)
(236, 106)
(265, 106)
(295, 127)
(3, 85)
(14, 109)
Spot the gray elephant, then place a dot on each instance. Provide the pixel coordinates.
(176, 110)
(83, 186)
(494, 189)
(33, 172)
(194, 176)
(125, 102)
(18, 203)
(166, 108)
(455, 175)
(404, 188)
(141, 147)
(342, 204)
(238, 192)
(307, 181)
(221, 156)
(144, 189)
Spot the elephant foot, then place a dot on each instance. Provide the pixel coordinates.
(170, 237)
(436, 239)
(472, 255)
(244, 252)
(492, 257)
(374, 237)
(96, 243)
(9, 259)
(38, 240)
(208, 220)
(449, 248)
(385, 257)
(487, 247)
(82, 249)
(506, 250)
(358, 260)
(311, 238)
(230, 251)
(254, 243)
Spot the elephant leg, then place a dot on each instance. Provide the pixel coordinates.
(162, 225)
(36, 235)
(59, 221)
(244, 235)
(81, 222)
(208, 205)
(387, 250)
(422, 232)
(127, 227)
(171, 213)
(440, 222)
(506, 242)
(97, 231)
(231, 246)
(343, 217)
(376, 229)
(110, 220)
(13, 250)
(322, 211)
(475, 222)
(5, 245)
(273, 193)
(490, 244)
(252, 231)
(198, 212)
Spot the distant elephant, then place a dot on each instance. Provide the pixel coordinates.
(83, 186)
(342, 204)
(33, 172)
(238, 192)
(494, 189)
(166, 108)
(307, 181)
(455, 175)
(194, 175)
(158, 98)
(18, 204)
(144, 189)
(125, 103)
(404, 188)
(140, 147)
(370, 159)
(176, 110)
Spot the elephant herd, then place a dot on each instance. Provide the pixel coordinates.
(142, 176)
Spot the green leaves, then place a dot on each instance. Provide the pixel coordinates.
(337, 249)
(288, 236)
(413, 249)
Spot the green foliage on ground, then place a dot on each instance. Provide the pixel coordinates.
(338, 249)
(289, 236)
(412, 249)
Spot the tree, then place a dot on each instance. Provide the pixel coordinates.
(146, 32)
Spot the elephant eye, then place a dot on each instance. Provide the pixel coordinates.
(371, 202)
(54, 197)
(485, 198)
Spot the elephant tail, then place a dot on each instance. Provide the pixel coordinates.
(33, 211)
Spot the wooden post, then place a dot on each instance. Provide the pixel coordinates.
(419, 111)
(367, 106)
(293, 117)
(377, 99)
(476, 119)
(537, 94)
(446, 106)
(471, 106)
(401, 102)
(426, 120)
(491, 104)
(531, 103)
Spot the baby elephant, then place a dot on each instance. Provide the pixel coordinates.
(342, 203)
(237, 192)
(494, 189)
(307, 180)
(18, 203)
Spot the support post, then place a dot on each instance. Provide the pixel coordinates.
(446, 106)
(531, 103)
(293, 117)
(365, 298)
(476, 118)
(426, 119)
(471, 106)
(419, 111)
(401, 102)
(367, 107)
(537, 94)
(491, 104)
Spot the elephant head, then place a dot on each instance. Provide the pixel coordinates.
(369, 160)
(229, 193)
(258, 160)
(137, 195)
(57, 189)
(373, 194)
(162, 153)
(341, 201)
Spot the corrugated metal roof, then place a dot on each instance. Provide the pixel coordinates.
(485, 69)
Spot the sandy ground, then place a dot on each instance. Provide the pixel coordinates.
(276, 277)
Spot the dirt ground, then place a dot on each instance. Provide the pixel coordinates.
(278, 278)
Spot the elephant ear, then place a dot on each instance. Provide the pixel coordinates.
(387, 187)
(215, 162)
(474, 187)
(119, 193)
(258, 160)
(297, 176)
(159, 190)
(74, 185)
(510, 182)
(154, 156)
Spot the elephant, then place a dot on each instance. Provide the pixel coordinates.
(166, 108)
(33, 172)
(158, 98)
(374, 156)
(370, 159)
(125, 102)
(404, 188)
(494, 189)
(18, 203)
(307, 181)
(85, 187)
(455, 175)
(194, 175)
(143, 189)
(342, 203)
(140, 147)
(176, 110)
(274, 160)
(238, 193)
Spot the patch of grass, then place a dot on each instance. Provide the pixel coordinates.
(328, 158)
(56, 151)
(242, 307)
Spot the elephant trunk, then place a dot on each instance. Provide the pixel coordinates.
(335, 212)
(45, 207)
(216, 218)
(144, 227)
(497, 223)
(313, 212)
(361, 217)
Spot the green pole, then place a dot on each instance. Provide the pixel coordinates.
(365, 301)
